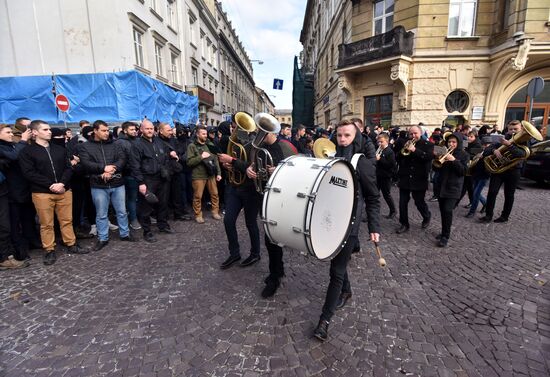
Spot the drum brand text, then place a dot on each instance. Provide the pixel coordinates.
(338, 181)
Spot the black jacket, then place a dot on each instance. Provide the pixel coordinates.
(95, 155)
(18, 187)
(387, 165)
(42, 168)
(451, 174)
(125, 143)
(414, 169)
(366, 174)
(147, 158)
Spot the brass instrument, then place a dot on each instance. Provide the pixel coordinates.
(444, 138)
(324, 148)
(438, 162)
(379, 151)
(405, 150)
(235, 149)
(495, 165)
(473, 162)
(260, 157)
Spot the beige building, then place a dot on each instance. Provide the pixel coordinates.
(284, 116)
(263, 103)
(431, 61)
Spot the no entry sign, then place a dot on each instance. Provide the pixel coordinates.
(62, 103)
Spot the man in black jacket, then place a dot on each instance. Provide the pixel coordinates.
(339, 288)
(148, 161)
(46, 166)
(125, 139)
(104, 161)
(510, 178)
(413, 173)
(385, 169)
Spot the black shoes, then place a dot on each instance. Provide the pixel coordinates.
(438, 237)
(166, 230)
(185, 217)
(443, 242)
(426, 222)
(501, 220)
(75, 249)
(321, 331)
(343, 299)
(482, 209)
(271, 286)
(469, 215)
(402, 229)
(485, 219)
(100, 245)
(129, 238)
(250, 260)
(149, 237)
(391, 215)
(229, 261)
(50, 258)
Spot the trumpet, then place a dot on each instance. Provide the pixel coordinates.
(260, 157)
(379, 152)
(235, 149)
(438, 162)
(405, 151)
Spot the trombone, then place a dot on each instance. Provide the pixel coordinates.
(438, 162)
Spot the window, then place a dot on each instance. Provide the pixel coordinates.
(192, 31)
(457, 101)
(154, 5)
(195, 76)
(174, 67)
(383, 16)
(158, 58)
(214, 50)
(138, 47)
(171, 13)
(378, 111)
(462, 16)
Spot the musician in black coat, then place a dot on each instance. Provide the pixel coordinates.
(339, 288)
(413, 174)
(510, 178)
(386, 165)
(451, 177)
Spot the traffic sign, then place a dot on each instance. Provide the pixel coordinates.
(535, 87)
(278, 84)
(62, 103)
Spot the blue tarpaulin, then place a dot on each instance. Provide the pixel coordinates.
(112, 97)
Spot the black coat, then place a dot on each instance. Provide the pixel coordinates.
(387, 165)
(414, 169)
(451, 174)
(125, 143)
(18, 187)
(41, 171)
(95, 155)
(147, 158)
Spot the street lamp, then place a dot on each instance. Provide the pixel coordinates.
(260, 62)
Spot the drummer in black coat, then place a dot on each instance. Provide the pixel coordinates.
(414, 170)
(451, 177)
(339, 288)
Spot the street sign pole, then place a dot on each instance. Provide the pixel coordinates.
(535, 87)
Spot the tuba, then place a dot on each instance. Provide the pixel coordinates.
(260, 157)
(235, 149)
(405, 150)
(324, 148)
(495, 165)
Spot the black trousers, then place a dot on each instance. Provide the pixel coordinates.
(82, 201)
(235, 200)
(6, 248)
(384, 184)
(467, 187)
(339, 281)
(23, 228)
(160, 188)
(510, 179)
(275, 252)
(419, 201)
(446, 207)
(175, 201)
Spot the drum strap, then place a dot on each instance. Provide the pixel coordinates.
(355, 160)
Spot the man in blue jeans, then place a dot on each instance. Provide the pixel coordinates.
(104, 161)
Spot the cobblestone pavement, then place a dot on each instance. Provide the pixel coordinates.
(480, 307)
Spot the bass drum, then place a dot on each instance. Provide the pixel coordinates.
(309, 205)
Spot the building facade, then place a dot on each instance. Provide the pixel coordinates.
(284, 116)
(431, 61)
(262, 102)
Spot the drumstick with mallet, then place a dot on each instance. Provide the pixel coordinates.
(381, 261)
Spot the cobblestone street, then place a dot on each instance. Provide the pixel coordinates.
(480, 307)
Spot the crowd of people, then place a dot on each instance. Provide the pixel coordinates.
(56, 185)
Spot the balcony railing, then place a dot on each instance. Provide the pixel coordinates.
(395, 42)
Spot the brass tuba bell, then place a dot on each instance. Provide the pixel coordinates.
(260, 157)
(245, 123)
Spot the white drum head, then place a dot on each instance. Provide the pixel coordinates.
(333, 210)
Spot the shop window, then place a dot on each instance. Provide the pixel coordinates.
(378, 111)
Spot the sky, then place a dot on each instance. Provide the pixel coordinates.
(270, 31)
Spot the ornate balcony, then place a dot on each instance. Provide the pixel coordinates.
(395, 42)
